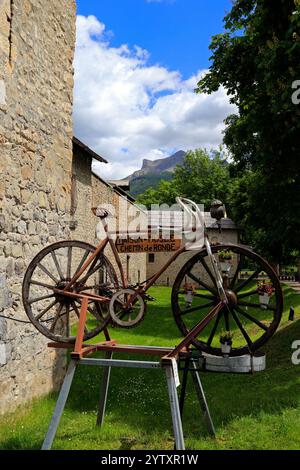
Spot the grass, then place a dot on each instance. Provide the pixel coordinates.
(260, 411)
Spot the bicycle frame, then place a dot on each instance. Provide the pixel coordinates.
(142, 289)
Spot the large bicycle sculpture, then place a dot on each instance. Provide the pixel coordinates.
(221, 286)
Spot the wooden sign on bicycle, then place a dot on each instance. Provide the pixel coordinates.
(143, 245)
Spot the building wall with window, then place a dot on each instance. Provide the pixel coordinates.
(37, 40)
(156, 261)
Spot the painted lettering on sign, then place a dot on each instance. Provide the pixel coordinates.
(130, 245)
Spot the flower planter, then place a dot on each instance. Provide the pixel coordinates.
(189, 297)
(226, 348)
(264, 300)
(225, 266)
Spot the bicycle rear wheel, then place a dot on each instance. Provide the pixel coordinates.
(56, 315)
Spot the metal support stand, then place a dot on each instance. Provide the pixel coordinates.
(104, 391)
(190, 366)
(202, 400)
(107, 364)
(175, 410)
(60, 405)
(81, 353)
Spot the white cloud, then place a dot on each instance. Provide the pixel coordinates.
(127, 109)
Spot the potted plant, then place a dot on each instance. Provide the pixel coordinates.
(226, 342)
(189, 292)
(265, 291)
(225, 259)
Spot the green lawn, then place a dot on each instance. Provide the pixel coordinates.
(250, 412)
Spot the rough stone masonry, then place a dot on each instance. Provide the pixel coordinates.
(37, 39)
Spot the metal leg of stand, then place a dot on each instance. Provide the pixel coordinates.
(60, 405)
(184, 385)
(104, 391)
(202, 399)
(175, 411)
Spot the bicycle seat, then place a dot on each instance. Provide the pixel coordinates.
(101, 212)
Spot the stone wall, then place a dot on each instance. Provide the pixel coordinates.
(37, 40)
(83, 221)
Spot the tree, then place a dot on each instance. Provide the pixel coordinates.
(201, 177)
(165, 193)
(257, 61)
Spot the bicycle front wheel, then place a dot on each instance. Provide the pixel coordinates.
(250, 318)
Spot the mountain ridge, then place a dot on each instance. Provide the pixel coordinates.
(167, 164)
(153, 171)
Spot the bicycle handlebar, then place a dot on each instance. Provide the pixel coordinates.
(196, 212)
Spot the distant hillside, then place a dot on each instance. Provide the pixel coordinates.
(153, 172)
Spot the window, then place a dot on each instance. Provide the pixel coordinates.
(151, 258)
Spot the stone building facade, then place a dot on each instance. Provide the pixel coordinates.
(155, 261)
(37, 41)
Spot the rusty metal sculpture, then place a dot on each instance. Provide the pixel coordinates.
(72, 292)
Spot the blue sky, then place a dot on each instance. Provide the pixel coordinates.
(137, 63)
(177, 33)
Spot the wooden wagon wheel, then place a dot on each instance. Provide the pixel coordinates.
(56, 315)
(251, 322)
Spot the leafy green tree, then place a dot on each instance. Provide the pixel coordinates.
(203, 177)
(257, 61)
(165, 193)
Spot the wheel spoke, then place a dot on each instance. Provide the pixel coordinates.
(239, 266)
(69, 263)
(202, 283)
(57, 317)
(99, 310)
(248, 294)
(226, 318)
(199, 307)
(54, 257)
(250, 304)
(204, 264)
(83, 260)
(46, 310)
(45, 270)
(42, 284)
(244, 332)
(213, 331)
(38, 299)
(91, 271)
(247, 281)
(251, 318)
(204, 296)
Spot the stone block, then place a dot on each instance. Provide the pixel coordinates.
(22, 227)
(17, 251)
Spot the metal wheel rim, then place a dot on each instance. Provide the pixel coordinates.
(26, 291)
(278, 293)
